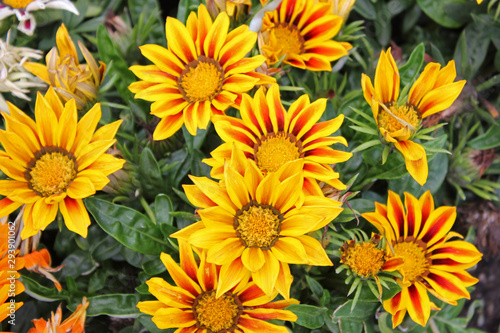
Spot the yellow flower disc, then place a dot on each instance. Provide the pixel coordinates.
(415, 261)
(216, 314)
(401, 117)
(51, 172)
(201, 80)
(288, 38)
(274, 150)
(365, 259)
(17, 3)
(258, 225)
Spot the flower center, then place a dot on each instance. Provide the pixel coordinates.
(415, 262)
(364, 259)
(51, 171)
(201, 80)
(217, 314)
(274, 150)
(396, 117)
(258, 225)
(288, 39)
(17, 3)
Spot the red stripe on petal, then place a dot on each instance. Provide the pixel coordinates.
(444, 283)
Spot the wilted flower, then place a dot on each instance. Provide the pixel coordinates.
(74, 323)
(66, 75)
(237, 10)
(23, 8)
(14, 78)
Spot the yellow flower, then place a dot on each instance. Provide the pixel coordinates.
(302, 32)
(432, 92)
(272, 136)
(237, 10)
(54, 162)
(432, 263)
(256, 225)
(8, 264)
(203, 72)
(192, 304)
(66, 75)
(341, 8)
(74, 323)
(366, 259)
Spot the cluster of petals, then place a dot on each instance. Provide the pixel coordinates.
(73, 162)
(75, 323)
(432, 92)
(14, 78)
(203, 72)
(244, 186)
(65, 74)
(23, 10)
(432, 263)
(267, 130)
(301, 32)
(176, 305)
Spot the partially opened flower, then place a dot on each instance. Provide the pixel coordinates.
(432, 92)
(54, 162)
(23, 8)
(366, 259)
(257, 224)
(237, 10)
(14, 78)
(191, 305)
(432, 263)
(301, 32)
(74, 323)
(272, 136)
(203, 72)
(9, 263)
(64, 72)
(341, 8)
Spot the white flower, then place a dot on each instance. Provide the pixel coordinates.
(23, 8)
(14, 78)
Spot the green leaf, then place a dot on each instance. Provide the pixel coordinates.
(128, 226)
(489, 140)
(43, 293)
(116, 305)
(307, 315)
(363, 310)
(471, 49)
(366, 9)
(366, 145)
(315, 286)
(409, 71)
(448, 13)
(163, 208)
(149, 173)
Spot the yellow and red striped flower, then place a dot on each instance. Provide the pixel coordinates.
(74, 323)
(432, 92)
(54, 162)
(301, 31)
(432, 263)
(256, 224)
(272, 136)
(204, 71)
(66, 75)
(192, 306)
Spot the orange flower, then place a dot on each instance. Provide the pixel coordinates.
(432, 92)
(203, 72)
(301, 31)
(432, 263)
(74, 323)
(192, 306)
(272, 136)
(40, 262)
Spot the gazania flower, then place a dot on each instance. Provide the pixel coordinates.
(54, 163)
(9, 263)
(432, 92)
(74, 323)
(237, 10)
(256, 224)
(301, 31)
(432, 263)
(272, 136)
(192, 305)
(203, 72)
(23, 8)
(366, 259)
(40, 262)
(14, 79)
(66, 75)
